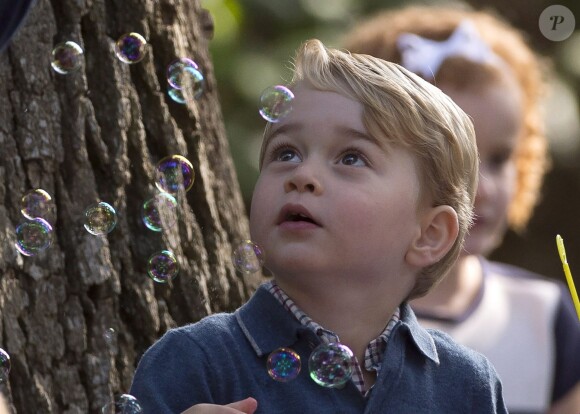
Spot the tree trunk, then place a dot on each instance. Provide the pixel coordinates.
(76, 318)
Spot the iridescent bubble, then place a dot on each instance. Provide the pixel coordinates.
(174, 173)
(100, 218)
(131, 48)
(330, 365)
(276, 103)
(283, 364)
(176, 95)
(159, 212)
(37, 203)
(66, 57)
(162, 266)
(33, 237)
(125, 404)
(4, 365)
(184, 74)
(176, 69)
(248, 257)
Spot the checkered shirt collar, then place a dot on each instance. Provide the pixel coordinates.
(374, 351)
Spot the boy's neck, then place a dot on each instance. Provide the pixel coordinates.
(357, 314)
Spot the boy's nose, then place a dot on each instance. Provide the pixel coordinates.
(302, 180)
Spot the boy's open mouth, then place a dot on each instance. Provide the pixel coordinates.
(296, 213)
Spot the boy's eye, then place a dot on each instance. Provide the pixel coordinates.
(286, 155)
(353, 158)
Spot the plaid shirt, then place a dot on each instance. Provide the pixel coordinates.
(373, 352)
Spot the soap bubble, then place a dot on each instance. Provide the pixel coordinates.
(174, 173)
(283, 364)
(100, 218)
(330, 365)
(162, 266)
(131, 48)
(159, 212)
(176, 95)
(66, 57)
(176, 71)
(276, 103)
(184, 74)
(4, 365)
(37, 203)
(125, 404)
(33, 236)
(248, 257)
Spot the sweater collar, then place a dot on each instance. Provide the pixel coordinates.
(276, 327)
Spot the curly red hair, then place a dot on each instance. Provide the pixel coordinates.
(378, 36)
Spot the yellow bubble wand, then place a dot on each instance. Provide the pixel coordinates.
(562, 252)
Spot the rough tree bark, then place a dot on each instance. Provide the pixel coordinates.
(94, 135)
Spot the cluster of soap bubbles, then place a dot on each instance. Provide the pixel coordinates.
(276, 103)
(185, 79)
(174, 175)
(35, 235)
(4, 365)
(125, 404)
(67, 56)
(330, 365)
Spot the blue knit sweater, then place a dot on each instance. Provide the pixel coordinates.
(222, 359)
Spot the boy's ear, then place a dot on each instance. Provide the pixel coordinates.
(439, 229)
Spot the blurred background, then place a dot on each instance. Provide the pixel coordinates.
(254, 40)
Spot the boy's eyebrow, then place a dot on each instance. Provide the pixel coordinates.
(340, 130)
(280, 129)
(356, 134)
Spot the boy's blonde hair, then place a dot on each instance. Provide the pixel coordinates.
(401, 109)
(378, 37)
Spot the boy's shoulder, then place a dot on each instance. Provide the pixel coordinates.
(447, 347)
(260, 321)
(460, 359)
(445, 351)
(212, 326)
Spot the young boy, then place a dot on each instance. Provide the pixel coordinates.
(364, 197)
(524, 323)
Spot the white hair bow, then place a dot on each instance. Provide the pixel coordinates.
(424, 56)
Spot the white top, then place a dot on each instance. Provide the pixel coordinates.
(514, 322)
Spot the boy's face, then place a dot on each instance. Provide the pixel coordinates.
(328, 198)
